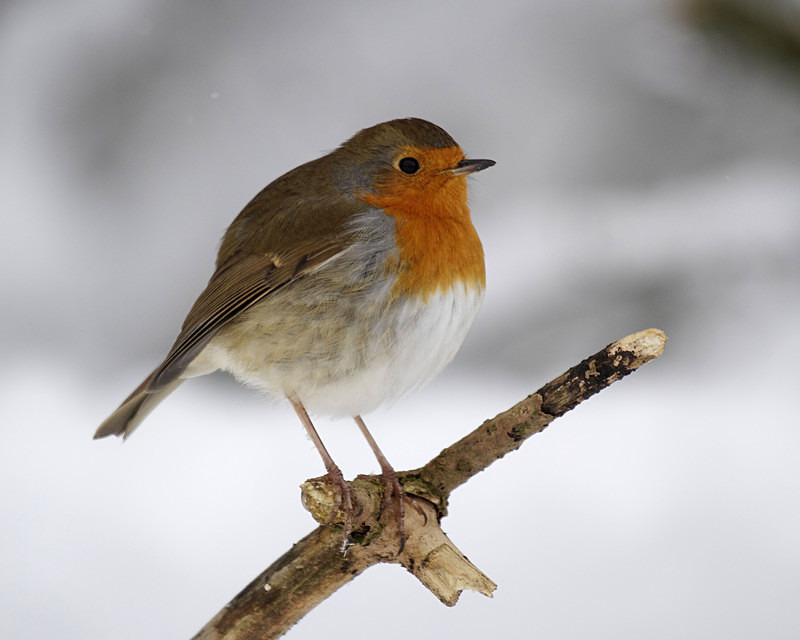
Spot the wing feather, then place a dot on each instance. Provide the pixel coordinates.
(231, 291)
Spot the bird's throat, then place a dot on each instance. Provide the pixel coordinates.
(438, 247)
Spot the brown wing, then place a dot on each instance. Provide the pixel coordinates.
(283, 233)
(256, 258)
(231, 291)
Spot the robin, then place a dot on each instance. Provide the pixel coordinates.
(343, 284)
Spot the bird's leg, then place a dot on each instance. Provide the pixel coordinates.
(344, 498)
(390, 480)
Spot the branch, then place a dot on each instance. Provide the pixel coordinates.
(315, 567)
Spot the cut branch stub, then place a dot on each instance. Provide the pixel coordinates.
(427, 553)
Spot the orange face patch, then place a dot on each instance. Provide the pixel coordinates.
(438, 246)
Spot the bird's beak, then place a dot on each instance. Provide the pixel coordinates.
(467, 166)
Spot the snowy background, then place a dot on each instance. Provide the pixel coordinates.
(647, 175)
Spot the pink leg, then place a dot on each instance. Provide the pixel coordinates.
(390, 480)
(344, 498)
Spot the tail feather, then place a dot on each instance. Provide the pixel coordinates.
(134, 409)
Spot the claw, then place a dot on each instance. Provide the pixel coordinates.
(342, 502)
(393, 488)
(391, 483)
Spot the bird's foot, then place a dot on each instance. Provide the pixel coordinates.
(392, 488)
(343, 501)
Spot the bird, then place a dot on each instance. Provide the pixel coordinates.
(343, 284)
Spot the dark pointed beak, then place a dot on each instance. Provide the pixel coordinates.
(467, 166)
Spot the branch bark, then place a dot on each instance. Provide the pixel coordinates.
(316, 566)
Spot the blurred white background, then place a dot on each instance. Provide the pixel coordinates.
(647, 175)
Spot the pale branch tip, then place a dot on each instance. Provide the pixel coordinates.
(508, 430)
(315, 567)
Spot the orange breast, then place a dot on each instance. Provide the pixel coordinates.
(438, 245)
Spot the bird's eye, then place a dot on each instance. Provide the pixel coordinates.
(408, 165)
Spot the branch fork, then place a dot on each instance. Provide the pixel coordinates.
(427, 553)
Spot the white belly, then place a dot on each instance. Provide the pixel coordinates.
(350, 367)
(428, 336)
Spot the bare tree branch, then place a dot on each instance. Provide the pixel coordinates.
(315, 567)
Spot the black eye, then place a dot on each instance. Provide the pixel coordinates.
(408, 165)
